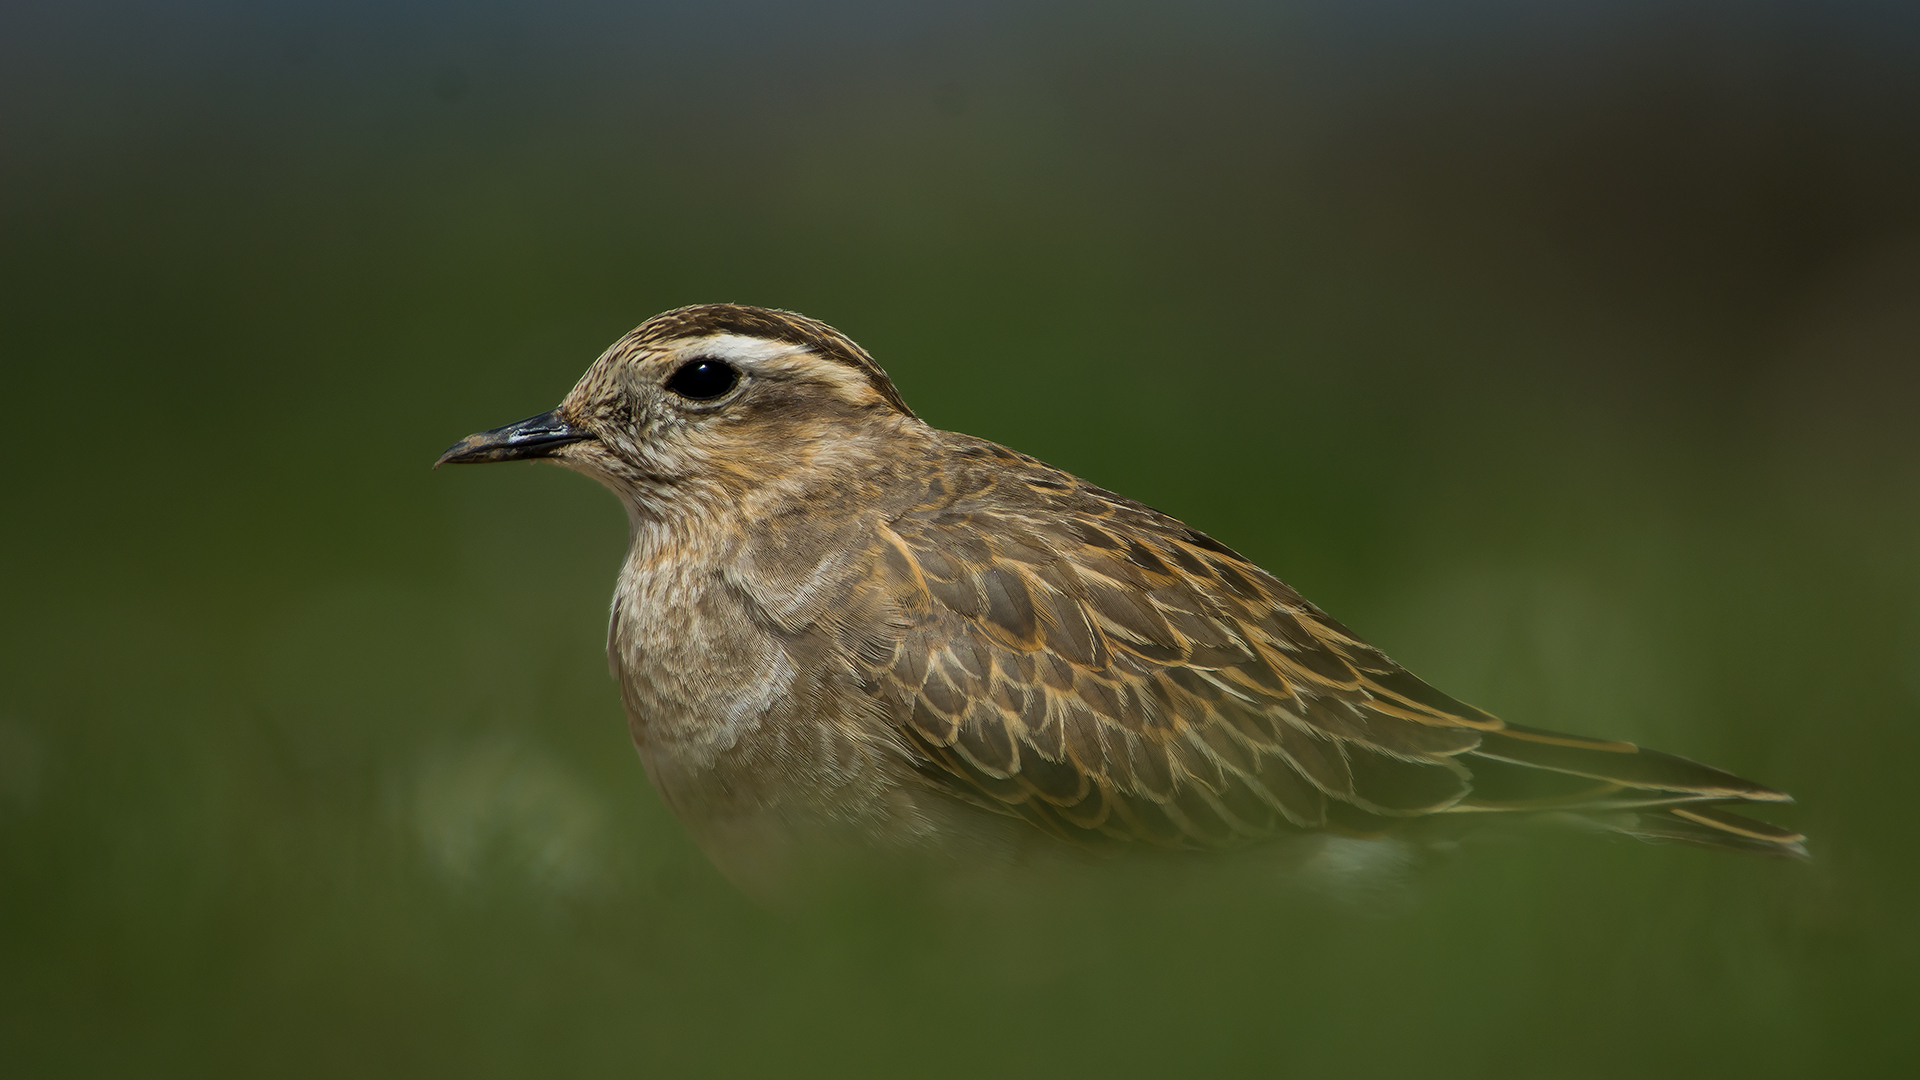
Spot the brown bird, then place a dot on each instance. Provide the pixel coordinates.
(837, 625)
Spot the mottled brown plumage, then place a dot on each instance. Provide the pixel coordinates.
(839, 624)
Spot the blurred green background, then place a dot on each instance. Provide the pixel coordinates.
(1569, 351)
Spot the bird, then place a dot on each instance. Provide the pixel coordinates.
(838, 628)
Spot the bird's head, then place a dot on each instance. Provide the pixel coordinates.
(715, 399)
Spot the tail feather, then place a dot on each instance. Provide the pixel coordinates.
(1621, 787)
(1620, 763)
(1710, 827)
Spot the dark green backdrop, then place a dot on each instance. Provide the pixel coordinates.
(1569, 351)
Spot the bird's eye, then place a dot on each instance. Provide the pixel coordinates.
(703, 380)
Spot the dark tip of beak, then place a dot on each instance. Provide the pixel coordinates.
(534, 437)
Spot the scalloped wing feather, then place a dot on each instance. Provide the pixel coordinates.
(1101, 670)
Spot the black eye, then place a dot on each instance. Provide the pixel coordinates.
(703, 380)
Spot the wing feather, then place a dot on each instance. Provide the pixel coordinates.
(1077, 659)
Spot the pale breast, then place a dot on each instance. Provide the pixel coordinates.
(753, 733)
(697, 672)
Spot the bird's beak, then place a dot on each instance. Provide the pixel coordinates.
(534, 437)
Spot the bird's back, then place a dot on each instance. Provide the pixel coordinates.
(1111, 676)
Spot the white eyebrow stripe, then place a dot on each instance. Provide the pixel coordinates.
(756, 354)
(745, 350)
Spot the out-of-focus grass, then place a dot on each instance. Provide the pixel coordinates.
(1572, 363)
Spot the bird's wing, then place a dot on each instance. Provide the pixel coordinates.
(1080, 660)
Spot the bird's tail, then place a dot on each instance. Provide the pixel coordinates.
(1619, 786)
